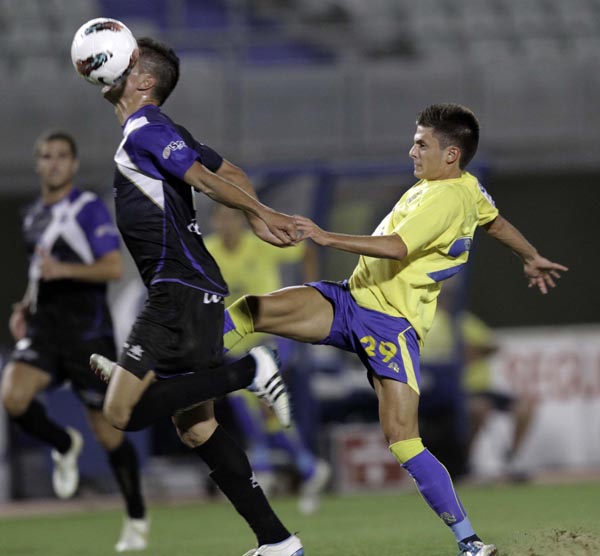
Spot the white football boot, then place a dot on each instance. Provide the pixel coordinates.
(102, 366)
(269, 386)
(311, 489)
(134, 535)
(476, 548)
(65, 476)
(289, 547)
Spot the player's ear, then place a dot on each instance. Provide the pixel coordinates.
(148, 81)
(452, 155)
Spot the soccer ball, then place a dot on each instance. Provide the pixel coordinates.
(103, 51)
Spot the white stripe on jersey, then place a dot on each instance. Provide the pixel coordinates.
(64, 225)
(150, 187)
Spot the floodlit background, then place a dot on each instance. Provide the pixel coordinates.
(317, 100)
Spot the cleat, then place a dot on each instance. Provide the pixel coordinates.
(268, 384)
(65, 476)
(134, 535)
(289, 547)
(476, 548)
(311, 488)
(102, 366)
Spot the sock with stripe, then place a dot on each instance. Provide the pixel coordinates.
(238, 323)
(164, 398)
(434, 484)
(231, 471)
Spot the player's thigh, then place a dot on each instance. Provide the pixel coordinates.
(300, 313)
(108, 437)
(196, 425)
(398, 409)
(20, 384)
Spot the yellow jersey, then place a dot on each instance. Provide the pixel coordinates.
(253, 266)
(437, 221)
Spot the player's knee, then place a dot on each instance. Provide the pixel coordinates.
(399, 429)
(107, 435)
(117, 415)
(14, 401)
(198, 434)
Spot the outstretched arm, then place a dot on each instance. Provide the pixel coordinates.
(281, 227)
(539, 271)
(106, 268)
(383, 247)
(236, 175)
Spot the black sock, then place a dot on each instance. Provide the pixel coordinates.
(35, 422)
(231, 471)
(124, 463)
(165, 397)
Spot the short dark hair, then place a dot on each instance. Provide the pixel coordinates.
(160, 61)
(453, 124)
(55, 135)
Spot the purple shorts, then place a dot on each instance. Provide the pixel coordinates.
(388, 346)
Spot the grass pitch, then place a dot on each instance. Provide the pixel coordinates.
(522, 520)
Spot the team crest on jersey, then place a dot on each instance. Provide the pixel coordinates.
(415, 196)
(486, 194)
(171, 147)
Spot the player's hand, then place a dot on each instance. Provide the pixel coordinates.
(542, 273)
(50, 267)
(307, 229)
(17, 324)
(281, 227)
(261, 230)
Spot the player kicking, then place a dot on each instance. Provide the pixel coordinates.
(383, 312)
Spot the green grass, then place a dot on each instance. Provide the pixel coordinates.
(528, 520)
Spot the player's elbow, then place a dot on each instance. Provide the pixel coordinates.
(398, 249)
(116, 272)
(113, 265)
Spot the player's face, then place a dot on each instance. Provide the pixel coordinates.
(430, 160)
(124, 88)
(56, 164)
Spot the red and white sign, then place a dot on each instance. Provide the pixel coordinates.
(558, 371)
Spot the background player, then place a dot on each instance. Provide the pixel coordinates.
(250, 265)
(74, 251)
(383, 312)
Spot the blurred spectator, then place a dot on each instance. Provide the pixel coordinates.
(461, 394)
(252, 266)
(483, 396)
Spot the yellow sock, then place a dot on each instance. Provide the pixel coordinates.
(407, 449)
(238, 323)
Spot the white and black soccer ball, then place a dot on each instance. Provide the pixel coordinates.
(103, 51)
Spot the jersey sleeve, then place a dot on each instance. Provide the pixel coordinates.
(429, 220)
(486, 208)
(97, 223)
(162, 147)
(209, 157)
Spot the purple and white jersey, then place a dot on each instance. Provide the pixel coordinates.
(154, 206)
(76, 229)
